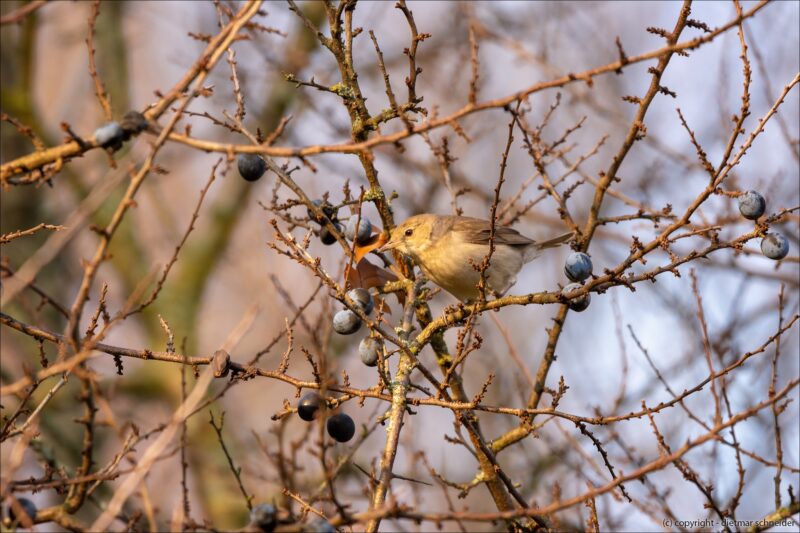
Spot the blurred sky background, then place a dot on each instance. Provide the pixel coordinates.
(552, 39)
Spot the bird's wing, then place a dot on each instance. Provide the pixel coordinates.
(478, 231)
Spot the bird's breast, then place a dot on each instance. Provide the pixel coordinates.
(452, 267)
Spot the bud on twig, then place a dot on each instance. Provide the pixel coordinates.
(221, 363)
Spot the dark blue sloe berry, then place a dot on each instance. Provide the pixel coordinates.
(578, 266)
(326, 236)
(346, 322)
(251, 166)
(775, 246)
(362, 298)
(361, 234)
(308, 406)
(327, 209)
(752, 205)
(133, 123)
(368, 350)
(27, 505)
(341, 427)
(264, 517)
(577, 304)
(109, 135)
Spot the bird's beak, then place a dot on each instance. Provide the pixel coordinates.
(391, 245)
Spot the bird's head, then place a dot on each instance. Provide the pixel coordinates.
(413, 236)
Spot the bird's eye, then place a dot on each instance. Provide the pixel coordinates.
(409, 232)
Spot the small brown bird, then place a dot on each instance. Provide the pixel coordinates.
(446, 247)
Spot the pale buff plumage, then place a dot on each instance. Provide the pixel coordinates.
(446, 247)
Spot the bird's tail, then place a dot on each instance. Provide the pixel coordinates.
(535, 249)
(558, 241)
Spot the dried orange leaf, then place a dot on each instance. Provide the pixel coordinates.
(376, 241)
(367, 275)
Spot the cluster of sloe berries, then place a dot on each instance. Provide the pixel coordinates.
(355, 229)
(340, 426)
(330, 213)
(347, 322)
(577, 267)
(774, 245)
